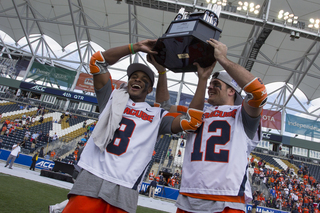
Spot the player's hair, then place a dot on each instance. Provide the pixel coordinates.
(234, 95)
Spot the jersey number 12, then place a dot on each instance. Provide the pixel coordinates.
(219, 132)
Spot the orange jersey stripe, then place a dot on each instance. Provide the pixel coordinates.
(225, 210)
(234, 199)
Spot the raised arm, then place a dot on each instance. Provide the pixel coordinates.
(256, 92)
(100, 60)
(162, 93)
(199, 96)
(193, 118)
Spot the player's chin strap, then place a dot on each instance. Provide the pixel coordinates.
(98, 65)
(192, 120)
(256, 93)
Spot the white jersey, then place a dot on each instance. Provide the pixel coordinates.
(125, 159)
(216, 155)
(15, 150)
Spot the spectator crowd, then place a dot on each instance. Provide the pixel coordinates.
(287, 190)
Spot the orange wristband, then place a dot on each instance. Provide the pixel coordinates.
(131, 48)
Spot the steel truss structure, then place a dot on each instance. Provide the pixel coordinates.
(260, 43)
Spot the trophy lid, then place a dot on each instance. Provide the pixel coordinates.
(196, 15)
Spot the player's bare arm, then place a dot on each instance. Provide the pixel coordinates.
(193, 118)
(162, 93)
(100, 60)
(255, 89)
(203, 76)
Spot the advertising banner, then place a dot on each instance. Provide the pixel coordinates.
(85, 82)
(302, 126)
(162, 191)
(273, 137)
(26, 160)
(55, 75)
(62, 93)
(117, 83)
(271, 119)
(261, 209)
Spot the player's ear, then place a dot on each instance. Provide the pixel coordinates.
(150, 89)
(231, 91)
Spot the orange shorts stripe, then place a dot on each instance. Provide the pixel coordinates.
(235, 199)
(81, 204)
(226, 210)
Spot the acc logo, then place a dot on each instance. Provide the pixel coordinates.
(45, 164)
(266, 135)
(39, 88)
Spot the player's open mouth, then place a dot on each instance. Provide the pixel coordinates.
(136, 87)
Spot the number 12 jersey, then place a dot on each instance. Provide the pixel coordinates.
(216, 156)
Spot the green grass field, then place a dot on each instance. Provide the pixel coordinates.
(26, 196)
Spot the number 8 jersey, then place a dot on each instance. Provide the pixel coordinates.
(216, 156)
(127, 156)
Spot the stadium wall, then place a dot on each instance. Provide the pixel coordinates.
(26, 160)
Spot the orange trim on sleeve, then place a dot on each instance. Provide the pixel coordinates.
(234, 199)
(112, 86)
(181, 108)
(225, 210)
(79, 203)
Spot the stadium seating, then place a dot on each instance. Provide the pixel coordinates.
(7, 106)
(269, 159)
(161, 148)
(12, 110)
(314, 170)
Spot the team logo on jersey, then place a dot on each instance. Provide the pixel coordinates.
(222, 114)
(133, 104)
(139, 114)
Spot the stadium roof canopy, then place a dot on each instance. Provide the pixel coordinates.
(276, 50)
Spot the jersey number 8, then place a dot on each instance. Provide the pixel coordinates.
(121, 139)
